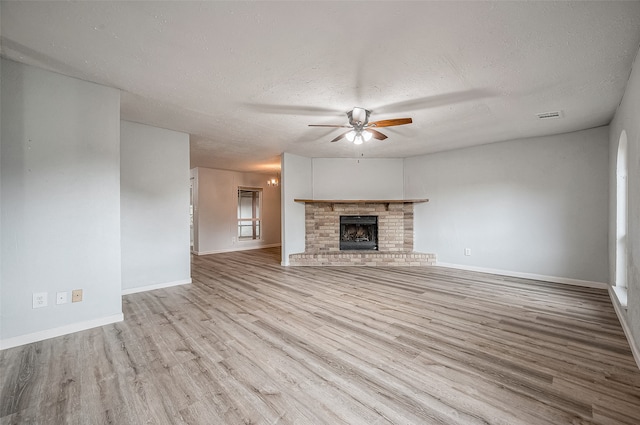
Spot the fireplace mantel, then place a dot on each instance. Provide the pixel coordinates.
(361, 201)
(385, 202)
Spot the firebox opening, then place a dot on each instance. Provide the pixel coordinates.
(359, 232)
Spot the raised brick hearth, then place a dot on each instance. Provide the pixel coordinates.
(395, 235)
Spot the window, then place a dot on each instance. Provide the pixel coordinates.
(620, 287)
(249, 213)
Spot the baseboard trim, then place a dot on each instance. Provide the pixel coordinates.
(60, 331)
(248, 248)
(622, 318)
(554, 279)
(155, 286)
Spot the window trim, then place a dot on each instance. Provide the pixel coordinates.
(256, 221)
(622, 219)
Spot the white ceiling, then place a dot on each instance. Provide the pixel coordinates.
(245, 78)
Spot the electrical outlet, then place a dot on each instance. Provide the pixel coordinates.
(76, 295)
(467, 251)
(40, 299)
(61, 297)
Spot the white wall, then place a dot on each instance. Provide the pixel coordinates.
(296, 184)
(60, 203)
(216, 212)
(365, 178)
(535, 206)
(627, 118)
(1, 315)
(154, 196)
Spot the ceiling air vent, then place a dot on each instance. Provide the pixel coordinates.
(549, 115)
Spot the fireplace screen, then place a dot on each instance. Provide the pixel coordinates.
(358, 232)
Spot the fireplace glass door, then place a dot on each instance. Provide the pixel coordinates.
(358, 232)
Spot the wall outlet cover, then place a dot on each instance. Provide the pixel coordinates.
(40, 299)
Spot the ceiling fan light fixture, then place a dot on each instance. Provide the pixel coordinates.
(361, 129)
(350, 136)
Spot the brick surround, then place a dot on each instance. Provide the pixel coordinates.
(395, 236)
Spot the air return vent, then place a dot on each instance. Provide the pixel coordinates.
(549, 115)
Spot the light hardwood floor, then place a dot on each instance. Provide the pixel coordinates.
(251, 342)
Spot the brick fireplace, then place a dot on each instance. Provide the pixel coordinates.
(394, 234)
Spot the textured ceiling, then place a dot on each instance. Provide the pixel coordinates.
(245, 78)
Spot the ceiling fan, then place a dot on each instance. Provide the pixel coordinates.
(361, 129)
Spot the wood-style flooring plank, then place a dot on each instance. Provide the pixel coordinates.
(252, 342)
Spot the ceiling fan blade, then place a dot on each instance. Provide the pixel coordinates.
(376, 134)
(329, 125)
(340, 136)
(391, 122)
